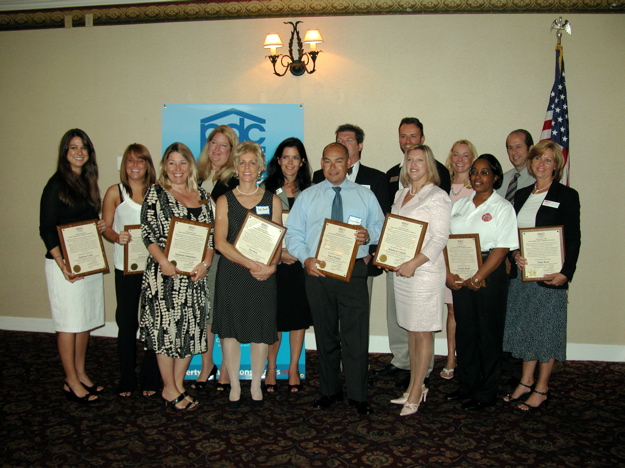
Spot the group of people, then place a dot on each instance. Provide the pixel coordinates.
(244, 301)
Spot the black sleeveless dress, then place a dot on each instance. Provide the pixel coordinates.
(245, 308)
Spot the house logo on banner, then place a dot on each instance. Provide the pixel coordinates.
(265, 124)
(248, 126)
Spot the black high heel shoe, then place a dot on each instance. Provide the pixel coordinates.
(191, 405)
(526, 408)
(71, 396)
(510, 399)
(223, 387)
(94, 389)
(199, 385)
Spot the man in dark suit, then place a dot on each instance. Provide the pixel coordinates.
(353, 137)
(410, 134)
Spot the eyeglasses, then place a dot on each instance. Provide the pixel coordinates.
(483, 173)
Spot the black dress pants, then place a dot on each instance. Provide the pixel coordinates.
(340, 313)
(480, 319)
(128, 294)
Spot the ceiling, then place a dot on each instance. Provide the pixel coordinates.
(14, 5)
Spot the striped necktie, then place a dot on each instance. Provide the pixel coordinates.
(512, 188)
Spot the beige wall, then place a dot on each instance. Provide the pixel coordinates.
(465, 76)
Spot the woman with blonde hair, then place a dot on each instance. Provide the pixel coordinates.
(458, 163)
(246, 294)
(419, 285)
(122, 207)
(173, 306)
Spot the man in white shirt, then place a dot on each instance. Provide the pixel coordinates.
(518, 145)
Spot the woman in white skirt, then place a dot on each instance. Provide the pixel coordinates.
(77, 302)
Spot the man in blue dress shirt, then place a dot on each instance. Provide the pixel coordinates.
(340, 310)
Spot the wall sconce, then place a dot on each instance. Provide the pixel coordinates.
(297, 65)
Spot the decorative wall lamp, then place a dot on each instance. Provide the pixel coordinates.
(297, 65)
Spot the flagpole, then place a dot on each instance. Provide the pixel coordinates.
(556, 123)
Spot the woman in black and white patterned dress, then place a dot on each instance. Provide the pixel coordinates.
(245, 294)
(173, 306)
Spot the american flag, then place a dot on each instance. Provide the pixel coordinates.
(556, 125)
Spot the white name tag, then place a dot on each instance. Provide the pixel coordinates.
(366, 186)
(279, 191)
(262, 210)
(354, 220)
(551, 204)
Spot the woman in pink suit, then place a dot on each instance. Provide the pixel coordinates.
(419, 285)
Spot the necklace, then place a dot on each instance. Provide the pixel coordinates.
(537, 190)
(413, 194)
(251, 193)
(455, 194)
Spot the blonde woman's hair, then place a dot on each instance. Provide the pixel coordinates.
(185, 152)
(433, 177)
(204, 162)
(450, 166)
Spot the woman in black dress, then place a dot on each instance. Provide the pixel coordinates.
(245, 296)
(288, 175)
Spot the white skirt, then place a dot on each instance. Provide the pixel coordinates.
(76, 307)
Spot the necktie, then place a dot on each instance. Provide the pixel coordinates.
(512, 188)
(337, 205)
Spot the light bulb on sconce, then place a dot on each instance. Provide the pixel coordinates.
(298, 66)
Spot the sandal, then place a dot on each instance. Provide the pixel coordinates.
(510, 399)
(199, 385)
(295, 388)
(94, 389)
(271, 388)
(525, 407)
(447, 374)
(191, 405)
(223, 387)
(85, 400)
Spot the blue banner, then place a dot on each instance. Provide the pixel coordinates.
(265, 124)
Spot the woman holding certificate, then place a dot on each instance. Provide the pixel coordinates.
(536, 318)
(480, 301)
(77, 302)
(419, 285)
(458, 163)
(245, 296)
(173, 305)
(122, 207)
(216, 173)
(288, 175)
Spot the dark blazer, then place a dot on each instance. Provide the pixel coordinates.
(566, 214)
(393, 179)
(376, 180)
(221, 188)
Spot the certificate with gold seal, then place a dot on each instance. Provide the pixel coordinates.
(543, 248)
(337, 249)
(259, 238)
(464, 255)
(135, 252)
(400, 241)
(186, 243)
(82, 248)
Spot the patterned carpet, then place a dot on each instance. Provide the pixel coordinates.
(584, 426)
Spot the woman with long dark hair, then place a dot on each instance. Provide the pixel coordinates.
(77, 302)
(289, 175)
(121, 207)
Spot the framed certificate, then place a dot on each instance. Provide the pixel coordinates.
(186, 243)
(543, 247)
(337, 249)
(285, 216)
(464, 255)
(82, 248)
(400, 241)
(259, 238)
(135, 252)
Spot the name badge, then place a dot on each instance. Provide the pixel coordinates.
(262, 210)
(354, 220)
(279, 191)
(551, 204)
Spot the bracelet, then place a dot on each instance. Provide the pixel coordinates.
(475, 280)
(205, 265)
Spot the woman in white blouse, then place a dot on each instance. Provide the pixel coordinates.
(480, 301)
